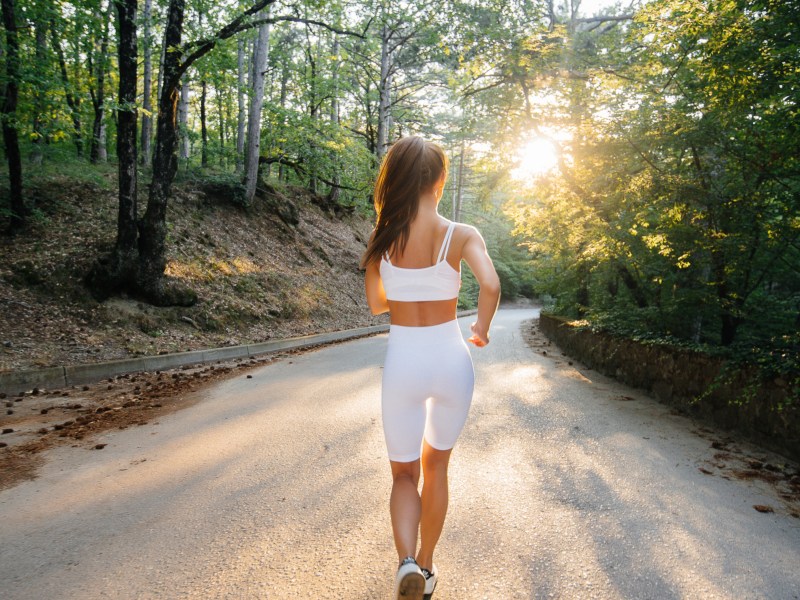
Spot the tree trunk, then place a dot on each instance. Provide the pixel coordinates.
(153, 226)
(147, 78)
(203, 126)
(729, 319)
(312, 109)
(385, 83)
(102, 147)
(254, 119)
(460, 186)
(221, 105)
(39, 110)
(73, 102)
(126, 133)
(119, 271)
(284, 92)
(97, 152)
(9, 116)
(183, 118)
(241, 117)
(633, 286)
(335, 83)
(160, 83)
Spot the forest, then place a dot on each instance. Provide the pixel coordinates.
(633, 165)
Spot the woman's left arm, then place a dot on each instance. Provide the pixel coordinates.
(376, 295)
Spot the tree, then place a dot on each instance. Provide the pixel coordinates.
(147, 77)
(149, 281)
(251, 154)
(98, 63)
(9, 117)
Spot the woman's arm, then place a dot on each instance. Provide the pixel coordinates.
(376, 295)
(477, 258)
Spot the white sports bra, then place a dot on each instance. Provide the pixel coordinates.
(437, 282)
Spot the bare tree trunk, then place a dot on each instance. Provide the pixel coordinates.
(37, 153)
(312, 107)
(97, 152)
(183, 119)
(119, 271)
(147, 105)
(161, 71)
(284, 90)
(256, 103)
(127, 52)
(335, 191)
(221, 114)
(335, 83)
(241, 117)
(102, 146)
(384, 103)
(203, 126)
(9, 116)
(460, 186)
(153, 226)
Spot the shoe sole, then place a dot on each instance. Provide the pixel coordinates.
(412, 587)
(429, 596)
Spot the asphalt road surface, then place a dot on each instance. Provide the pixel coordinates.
(278, 486)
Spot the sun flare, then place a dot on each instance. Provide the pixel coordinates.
(535, 158)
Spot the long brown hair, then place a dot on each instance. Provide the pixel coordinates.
(411, 167)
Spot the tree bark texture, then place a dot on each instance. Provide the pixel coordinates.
(127, 56)
(385, 102)
(147, 81)
(203, 125)
(153, 226)
(9, 114)
(221, 106)
(183, 118)
(97, 152)
(335, 83)
(119, 271)
(241, 118)
(254, 118)
(284, 93)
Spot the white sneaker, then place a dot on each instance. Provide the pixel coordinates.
(410, 582)
(431, 579)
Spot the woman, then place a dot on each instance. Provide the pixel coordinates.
(412, 267)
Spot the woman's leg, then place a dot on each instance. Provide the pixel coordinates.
(404, 506)
(434, 501)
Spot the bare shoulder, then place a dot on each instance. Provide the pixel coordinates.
(466, 233)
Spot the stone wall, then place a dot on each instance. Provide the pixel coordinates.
(677, 376)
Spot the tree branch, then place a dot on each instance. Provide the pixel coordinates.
(239, 24)
(282, 160)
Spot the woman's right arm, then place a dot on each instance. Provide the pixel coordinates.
(477, 258)
(376, 295)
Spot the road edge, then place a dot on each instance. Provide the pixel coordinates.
(17, 382)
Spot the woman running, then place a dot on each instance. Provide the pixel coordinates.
(413, 271)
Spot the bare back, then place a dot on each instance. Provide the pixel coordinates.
(425, 240)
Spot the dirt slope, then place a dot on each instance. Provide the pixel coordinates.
(257, 277)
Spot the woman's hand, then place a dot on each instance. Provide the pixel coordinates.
(479, 337)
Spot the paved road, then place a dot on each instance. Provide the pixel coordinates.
(277, 487)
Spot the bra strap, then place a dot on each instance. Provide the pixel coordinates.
(446, 242)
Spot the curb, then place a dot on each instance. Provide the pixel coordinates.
(17, 382)
(58, 377)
